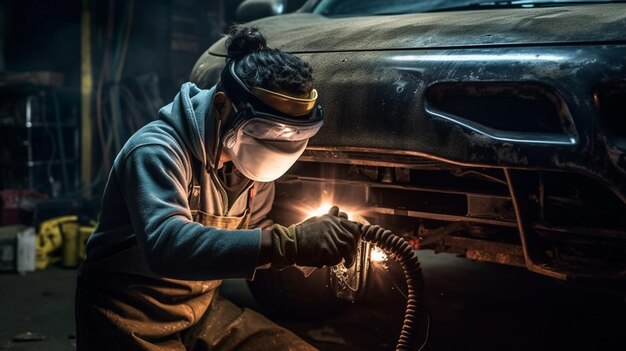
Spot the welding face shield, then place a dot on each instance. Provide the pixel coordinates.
(266, 136)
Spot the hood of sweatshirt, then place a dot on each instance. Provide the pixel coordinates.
(191, 115)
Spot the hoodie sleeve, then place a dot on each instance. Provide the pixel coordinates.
(154, 183)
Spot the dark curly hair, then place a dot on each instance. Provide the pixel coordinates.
(257, 65)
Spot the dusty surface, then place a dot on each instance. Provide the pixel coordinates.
(472, 306)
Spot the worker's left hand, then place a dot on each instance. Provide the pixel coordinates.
(318, 241)
(326, 240)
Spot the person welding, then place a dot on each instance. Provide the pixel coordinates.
(186, 205)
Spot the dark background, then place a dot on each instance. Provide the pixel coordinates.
(473, 306)
(141, 52)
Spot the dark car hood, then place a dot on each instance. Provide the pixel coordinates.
(525, 26)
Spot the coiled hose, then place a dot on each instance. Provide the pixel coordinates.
(404, 255)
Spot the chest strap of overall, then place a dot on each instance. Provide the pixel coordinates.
(194, 190)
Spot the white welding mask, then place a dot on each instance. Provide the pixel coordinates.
(268, 134)
(263, 149)
(263, 161)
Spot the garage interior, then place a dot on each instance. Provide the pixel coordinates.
(77, 78)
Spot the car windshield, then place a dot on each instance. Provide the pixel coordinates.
(384, 7)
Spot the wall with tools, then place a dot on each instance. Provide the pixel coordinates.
(77, 78)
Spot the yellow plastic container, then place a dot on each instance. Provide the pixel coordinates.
(50, 241)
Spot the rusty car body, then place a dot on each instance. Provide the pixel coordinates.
(493, 132)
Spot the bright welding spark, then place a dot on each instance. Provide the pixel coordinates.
(323, 207)
(319, 211)
(377, 255)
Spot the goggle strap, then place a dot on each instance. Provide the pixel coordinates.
(235, 88)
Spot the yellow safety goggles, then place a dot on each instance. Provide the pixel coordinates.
(270, 115)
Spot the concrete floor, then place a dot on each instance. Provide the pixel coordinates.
(473, 306)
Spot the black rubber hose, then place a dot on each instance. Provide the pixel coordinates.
(404, 255)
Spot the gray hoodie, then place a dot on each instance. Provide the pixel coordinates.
(145, 200)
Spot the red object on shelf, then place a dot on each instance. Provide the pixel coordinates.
(10, 199)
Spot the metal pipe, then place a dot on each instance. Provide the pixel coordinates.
(86, 88)
(531, 262)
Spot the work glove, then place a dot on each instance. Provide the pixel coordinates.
(317, 242)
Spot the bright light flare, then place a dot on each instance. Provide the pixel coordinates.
(377, 255)
(319, 211)
(323, 208)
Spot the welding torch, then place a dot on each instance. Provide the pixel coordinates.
(347, 281)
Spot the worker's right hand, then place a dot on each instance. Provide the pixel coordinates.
(326, 240)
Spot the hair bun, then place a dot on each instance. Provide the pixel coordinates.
(243, 40)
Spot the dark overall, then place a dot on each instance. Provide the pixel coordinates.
(120, 305)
